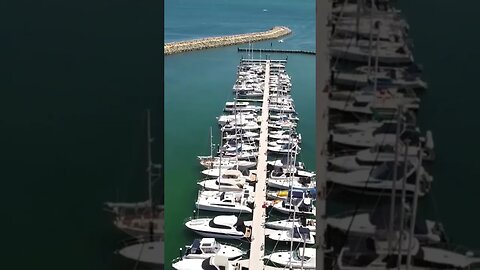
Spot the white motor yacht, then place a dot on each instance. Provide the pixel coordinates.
(226, 202)
(223, 227)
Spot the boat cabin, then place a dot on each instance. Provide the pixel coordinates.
(203, 246)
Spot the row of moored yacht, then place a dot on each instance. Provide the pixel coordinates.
(376, 149)
(227, 186)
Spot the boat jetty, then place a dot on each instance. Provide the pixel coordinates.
(222, 41)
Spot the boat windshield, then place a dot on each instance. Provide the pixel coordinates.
(219, 226)
(386, 128)
(195, 248)
(207, 266)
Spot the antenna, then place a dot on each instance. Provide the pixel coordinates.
(370, 45)
(415, 205)
(149, 171)
(149, 155)
(394, 182)
(402, 209)
(377, 26)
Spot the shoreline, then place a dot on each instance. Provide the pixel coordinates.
(222, 41)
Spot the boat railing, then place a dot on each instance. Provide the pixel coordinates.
(350, 212)
(177, 259)
(456, 248)
(139, 240)
(239, 245)
(194, 217)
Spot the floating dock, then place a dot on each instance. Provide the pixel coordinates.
(221, 41)
(257, 247)
(276, 51)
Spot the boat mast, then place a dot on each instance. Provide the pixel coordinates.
(415, 205)
(394, 181)
(291, 196)
(357, 22)
(149, 168)
(220, 149)
(303, 253)
(211, 146)
(236, 127)
(149, 171)
(377, 27)
(403, 203)
(370, 45)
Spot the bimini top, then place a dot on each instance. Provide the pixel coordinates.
(295, 194)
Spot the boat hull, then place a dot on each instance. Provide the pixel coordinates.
(224, 209)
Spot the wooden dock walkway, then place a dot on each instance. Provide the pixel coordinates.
(276, 51)
(257, 246)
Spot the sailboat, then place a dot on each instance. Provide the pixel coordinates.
(378, 181)
(371, 135)
(301, 258)
(287, 224)
(231, 180)
(378, 154)
(375, 256)
(366, 223)
(226, 202)
(386, 76)
(298, 235)
(149, 248)
(140, 218)
(214, 163)
(146, 251)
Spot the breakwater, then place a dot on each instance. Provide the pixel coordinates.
(214, 42)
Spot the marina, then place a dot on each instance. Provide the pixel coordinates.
(374, 89)
(233, 205)
(76, 141)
